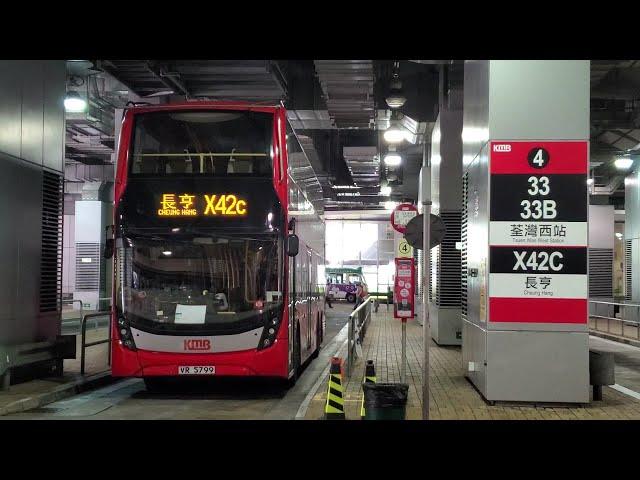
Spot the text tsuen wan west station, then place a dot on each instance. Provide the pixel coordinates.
(190, 205)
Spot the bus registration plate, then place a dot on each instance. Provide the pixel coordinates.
(197, 370)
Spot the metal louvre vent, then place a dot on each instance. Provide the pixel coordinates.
(51, 258)
(464, 219)
(88, 266)
(448, 262)
(627, 269)
(601, 272)
(435, 255)
(420, 283)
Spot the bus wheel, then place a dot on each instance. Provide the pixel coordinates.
(351, 298)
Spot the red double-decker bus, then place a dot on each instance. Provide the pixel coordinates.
(217, 242)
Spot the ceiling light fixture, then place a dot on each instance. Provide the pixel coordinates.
(74, 103)
(392, 159)
(396, 98)
(390, 205)
(623, 163)
(394, 135)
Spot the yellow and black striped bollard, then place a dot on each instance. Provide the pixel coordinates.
(369, 377)
(334, 409)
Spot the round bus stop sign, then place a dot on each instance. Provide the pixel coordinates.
(401, 215)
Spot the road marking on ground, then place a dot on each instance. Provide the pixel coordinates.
(626, 391)
(302, 411)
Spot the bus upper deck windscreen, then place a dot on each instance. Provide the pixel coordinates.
(212, 143)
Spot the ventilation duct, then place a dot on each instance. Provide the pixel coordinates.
(348, 90)
(94, 191)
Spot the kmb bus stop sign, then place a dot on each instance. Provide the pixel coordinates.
(401, 216)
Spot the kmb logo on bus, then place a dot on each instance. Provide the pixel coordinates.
(504, 147)
(197, 344)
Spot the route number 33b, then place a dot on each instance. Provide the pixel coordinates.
(538, 209)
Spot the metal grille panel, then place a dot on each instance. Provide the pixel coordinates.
(433, 290)
(51, 259)
(448, 262)
(601, 272)
(464, 219)
(420, 283)
(628, 272)
(88, 266)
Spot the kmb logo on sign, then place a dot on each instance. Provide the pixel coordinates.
(502, 147)
(197, 344)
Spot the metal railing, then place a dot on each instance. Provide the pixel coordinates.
(71, 302)
(358, 322)
(84, 344)
(629, 310)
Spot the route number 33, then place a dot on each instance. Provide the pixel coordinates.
(538, 209)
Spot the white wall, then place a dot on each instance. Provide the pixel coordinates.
(69, 255)
(601, 226)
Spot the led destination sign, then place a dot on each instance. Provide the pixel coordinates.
(192, 205)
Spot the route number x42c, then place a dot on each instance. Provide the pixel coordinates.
(538, 261)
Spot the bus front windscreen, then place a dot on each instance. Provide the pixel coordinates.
(198, 283)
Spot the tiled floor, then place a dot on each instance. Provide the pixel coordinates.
(451, 395)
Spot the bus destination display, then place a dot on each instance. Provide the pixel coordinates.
(192, 205)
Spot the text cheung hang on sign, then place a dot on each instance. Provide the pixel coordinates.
(538, 233)
(192, 205)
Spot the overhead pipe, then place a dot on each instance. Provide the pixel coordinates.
(168, 81)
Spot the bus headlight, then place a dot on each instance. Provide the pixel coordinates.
(269, 332)
(126, 338)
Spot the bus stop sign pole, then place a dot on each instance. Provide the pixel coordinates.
(426, 279)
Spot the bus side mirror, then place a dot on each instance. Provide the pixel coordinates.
(293, 245)
(108, 248)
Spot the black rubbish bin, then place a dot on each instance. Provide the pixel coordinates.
(385, 401)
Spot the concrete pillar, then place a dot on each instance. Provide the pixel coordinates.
(525, 163)
(31, 164)
(446, 195)
(632, 235)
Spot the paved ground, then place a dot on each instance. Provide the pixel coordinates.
(452, 396)
(248, 399)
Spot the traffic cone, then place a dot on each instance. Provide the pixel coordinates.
(369, 377)
(334, 410)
